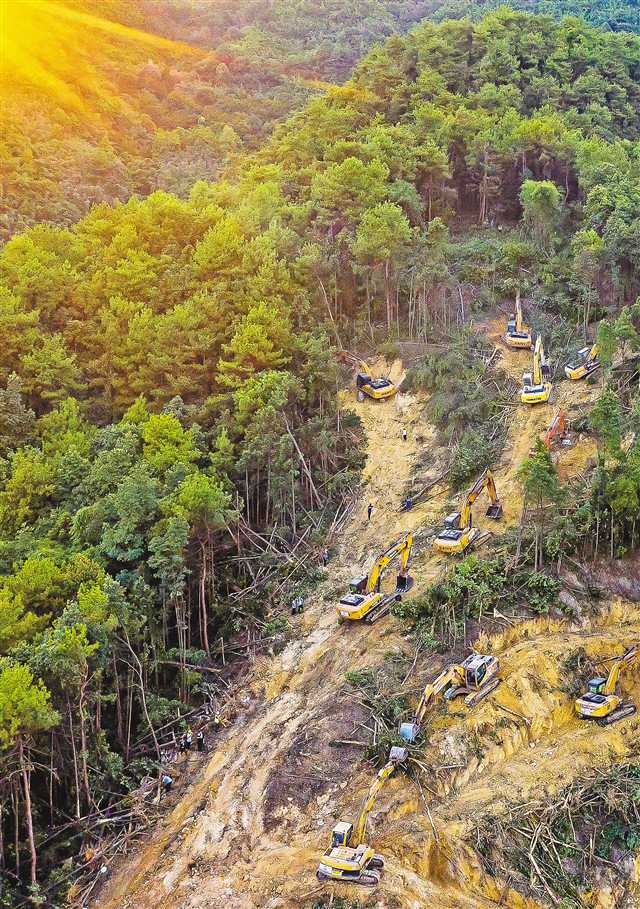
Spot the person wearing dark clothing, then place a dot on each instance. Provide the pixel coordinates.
(404, 435)
(297, 606)
(369, 511)
(200, 740)
(325, 557)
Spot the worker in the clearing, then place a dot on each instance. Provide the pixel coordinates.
(297, 606)
(200, 740)
(167, 782)
(369, 511)
(404, 435)
(189, 738)
(325, 557)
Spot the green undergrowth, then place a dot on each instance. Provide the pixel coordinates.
(469, 590)
(465, 402)
(561, 846)
(378, 689)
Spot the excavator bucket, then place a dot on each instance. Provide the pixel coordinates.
(494, 511)
(409, 731)
(404, 582)
(398, 755)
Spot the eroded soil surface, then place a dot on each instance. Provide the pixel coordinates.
(250, 829)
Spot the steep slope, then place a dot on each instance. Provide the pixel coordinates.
(250, 831)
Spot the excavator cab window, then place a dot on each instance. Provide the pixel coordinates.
(357, 585)
(475, 676)
(341, 835)
(452, 520)
(511, 325)
(596, 685)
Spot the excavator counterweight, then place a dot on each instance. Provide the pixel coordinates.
(458, 533)
(365, 601)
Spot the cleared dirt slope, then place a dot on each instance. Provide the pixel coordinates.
(250, 830)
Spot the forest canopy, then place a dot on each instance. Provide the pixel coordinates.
(178, 89)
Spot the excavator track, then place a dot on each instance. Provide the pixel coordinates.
(476, 696)
(477, 541)
(368, 878)
(620, 714)
(382, 608)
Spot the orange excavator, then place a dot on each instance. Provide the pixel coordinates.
(557, 428)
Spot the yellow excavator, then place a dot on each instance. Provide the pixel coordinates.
(586, 362)
(475, 677)
(536, 387)
(518, 334)
(367, 386)
(458, 533)
(600, 702)
(364, 600)
(349, 859)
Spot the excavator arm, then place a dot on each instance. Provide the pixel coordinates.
(614, 673)
(377, 570)
(450, 675)
(518, 313)
(484, 481)
(403, 549)
(556, 427)
(376, 786)
(537, 362)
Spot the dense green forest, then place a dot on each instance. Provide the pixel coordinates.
(168, 386)
(168, 115)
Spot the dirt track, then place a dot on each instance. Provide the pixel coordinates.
(249, 832)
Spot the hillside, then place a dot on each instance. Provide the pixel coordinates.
(252, 827)
(179, 444)
(183, 86)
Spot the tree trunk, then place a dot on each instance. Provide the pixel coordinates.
(203, 599)
(75, 757)
(29, 816)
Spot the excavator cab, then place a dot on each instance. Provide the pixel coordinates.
(595, 686)
(585, 363)
(358, 584)
(476, 667)
(341, 834)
